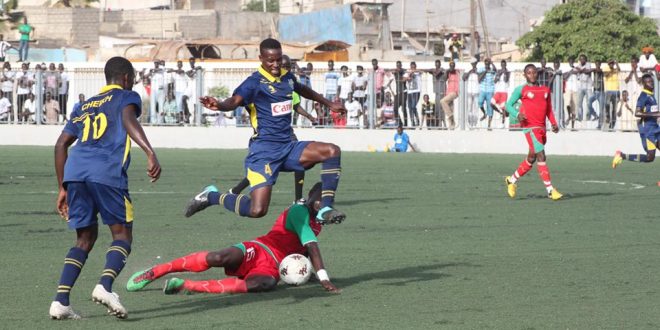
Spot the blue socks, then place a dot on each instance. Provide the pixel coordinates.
(73, 264)
(115, 259)
(239, 204)
(330, 172)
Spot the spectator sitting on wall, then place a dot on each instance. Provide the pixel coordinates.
(29, 109)
(52, 109)
(387, 116)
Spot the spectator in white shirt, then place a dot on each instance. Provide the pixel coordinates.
(345, 85)
(5, 108)
(353, 111)
(63, 96)
(4, 46)
(360, 85)
(414, 88)
(7, 81)
(647, 61)
(29, 109)
(180, 85)
(25, 80)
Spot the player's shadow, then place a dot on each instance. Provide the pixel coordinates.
(370, 200)
(568, 196)
(392, 277)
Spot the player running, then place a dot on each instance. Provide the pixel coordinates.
(253, 263)
(92, 179)
(649, 130)
(298, 176)
(267, 95)
(535, 107)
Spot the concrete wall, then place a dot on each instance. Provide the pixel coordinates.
(160, 23)
(59, 27)
(587, 143)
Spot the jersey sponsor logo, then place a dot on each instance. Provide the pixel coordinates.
(281, 108)
(654, 108)
(97, 103)
(249, 254)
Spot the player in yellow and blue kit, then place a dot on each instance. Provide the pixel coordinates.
(649, 130)
(92, 179)
(267, 96)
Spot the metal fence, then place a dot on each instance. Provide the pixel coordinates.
(170, 97)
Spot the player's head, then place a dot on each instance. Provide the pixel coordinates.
(286, 62)
(270, 55)
(530, 73)
(647, 81)
(313, 202)
(119, 71)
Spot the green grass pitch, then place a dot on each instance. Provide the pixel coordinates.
(431, 241)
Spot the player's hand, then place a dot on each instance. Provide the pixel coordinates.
(521, 117)
(153, 168)
(209, 102)
(328, 286)
(314, 121)
(62, 206)
(555, 128)
(337, 107)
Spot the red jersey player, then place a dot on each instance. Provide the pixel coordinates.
(536, 106)
(253, 263)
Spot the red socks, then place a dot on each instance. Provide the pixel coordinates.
(545, 175)
(523, 168)
(195, 262)
(226, 285)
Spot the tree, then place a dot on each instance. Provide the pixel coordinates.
(601, 29)
(272, 6)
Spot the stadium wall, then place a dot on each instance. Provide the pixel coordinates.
(583, 143)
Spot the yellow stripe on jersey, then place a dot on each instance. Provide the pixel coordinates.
(255, 178)
(127, 149)
(252, 109)
(269, 76)
(129, 209)
(650, 145)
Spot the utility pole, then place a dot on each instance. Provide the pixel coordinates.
(473, 28)
(482, 14)
(426, 10)
(403, 15)
(264, 3)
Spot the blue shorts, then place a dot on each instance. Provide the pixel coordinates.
(650, 135)
(266, 160)
(87, 199)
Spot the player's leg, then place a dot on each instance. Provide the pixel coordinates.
(240, 186)
(649, 142)
(229, 258)
(329, 155)
(523, 167)
(116, 210)
(82, 218)
(544, 174)
(299, 181)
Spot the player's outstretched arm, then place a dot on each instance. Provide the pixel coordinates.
(309, 93)
(304, 113)
(315, 255)
(228, 104)
(135, 131)
(61, 154)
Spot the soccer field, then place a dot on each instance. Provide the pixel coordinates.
(431, 241)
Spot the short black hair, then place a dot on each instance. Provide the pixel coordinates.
(314, 195)
(269, 43)
(530, 65)
(117, 67)
(647, 75)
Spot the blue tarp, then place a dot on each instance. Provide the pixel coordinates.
(319, 26)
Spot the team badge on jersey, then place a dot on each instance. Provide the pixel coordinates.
(272, 89)
(530, 95)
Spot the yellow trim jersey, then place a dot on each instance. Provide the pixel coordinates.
(268, 101)
(102, 153)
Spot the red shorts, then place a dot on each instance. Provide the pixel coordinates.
(536, 138)
(256, 261)
(500, 97)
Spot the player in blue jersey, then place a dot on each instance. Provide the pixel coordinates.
(649, 130)
(92, 179)
(267, 96)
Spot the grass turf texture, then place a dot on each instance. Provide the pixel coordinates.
(431, 241)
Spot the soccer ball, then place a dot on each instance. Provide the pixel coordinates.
(295, 269)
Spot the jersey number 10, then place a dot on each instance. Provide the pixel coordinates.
(98, 124)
